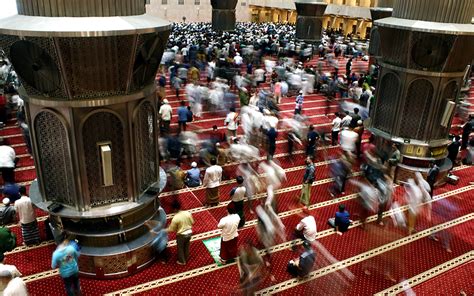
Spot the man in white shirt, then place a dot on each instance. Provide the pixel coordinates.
(336, 127)
(238, 59)
(231, 123)
(346, 120)
(259, 76)
(212, 181)
(166, 112)
(7, 272)
(27, 217)
(7, 163)
(348, 140)
(229, 225)
(306, 229)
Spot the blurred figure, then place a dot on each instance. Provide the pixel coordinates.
(340, 170)
(444, 211)
(349, 139)
(341, 220)
(466, 131)
(368, 197)
(193, 178)
(385, 187)
(229, 225)
(65, 257)
(413, 197)
(308, 179)
(160, 239)
(302, 266)
(212, 180)
(7, 162)
(251, 268)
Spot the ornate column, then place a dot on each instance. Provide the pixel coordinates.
(425, 48)
(309, 23)
(223, 15)
(382, 10)
(88, 68)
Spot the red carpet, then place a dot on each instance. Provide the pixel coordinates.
(201, 275)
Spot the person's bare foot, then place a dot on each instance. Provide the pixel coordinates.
(339, 233)
(449, 250)
(367, 272)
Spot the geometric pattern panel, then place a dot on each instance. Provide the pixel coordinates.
(308, 28)
(387, 103)
(104, 127)
(150, 48)
(145, 146)
(96, 66)
(416, 109)
(55, 158)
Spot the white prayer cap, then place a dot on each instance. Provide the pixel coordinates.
(193, 164)
(6, 201)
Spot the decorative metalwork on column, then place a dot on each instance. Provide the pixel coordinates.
(425, 48)
(223, 15)
(88, 68)
(309, 24)
(382, 10)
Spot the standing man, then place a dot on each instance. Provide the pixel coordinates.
(65, 258)
(393, 161)
(453, 150)
(308, 180)
(231, 123)
(311, 139)
(229, 225)
(27, 217)
(336, 127)
(432, 175)
(182, 224)
(299, 103)
(346, 121)
(165, 112)
(272, 135)
(182, 116)
(237, 195)
(212, 181)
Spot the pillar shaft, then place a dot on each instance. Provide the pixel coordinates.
(309, 23)
(422, 67)
(223, 15)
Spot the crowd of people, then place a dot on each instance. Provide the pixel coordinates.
(244, 76)
(248, 73)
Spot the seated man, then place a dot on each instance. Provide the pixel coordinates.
(303, 265)
(7, 212)
(341, 221)
(193, 176)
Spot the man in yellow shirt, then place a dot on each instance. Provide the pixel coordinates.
(181, 223)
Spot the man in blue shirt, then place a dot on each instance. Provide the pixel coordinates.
(303, 265)
(65, 258)
(193, 178)
(341, 220)
(182, 116)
